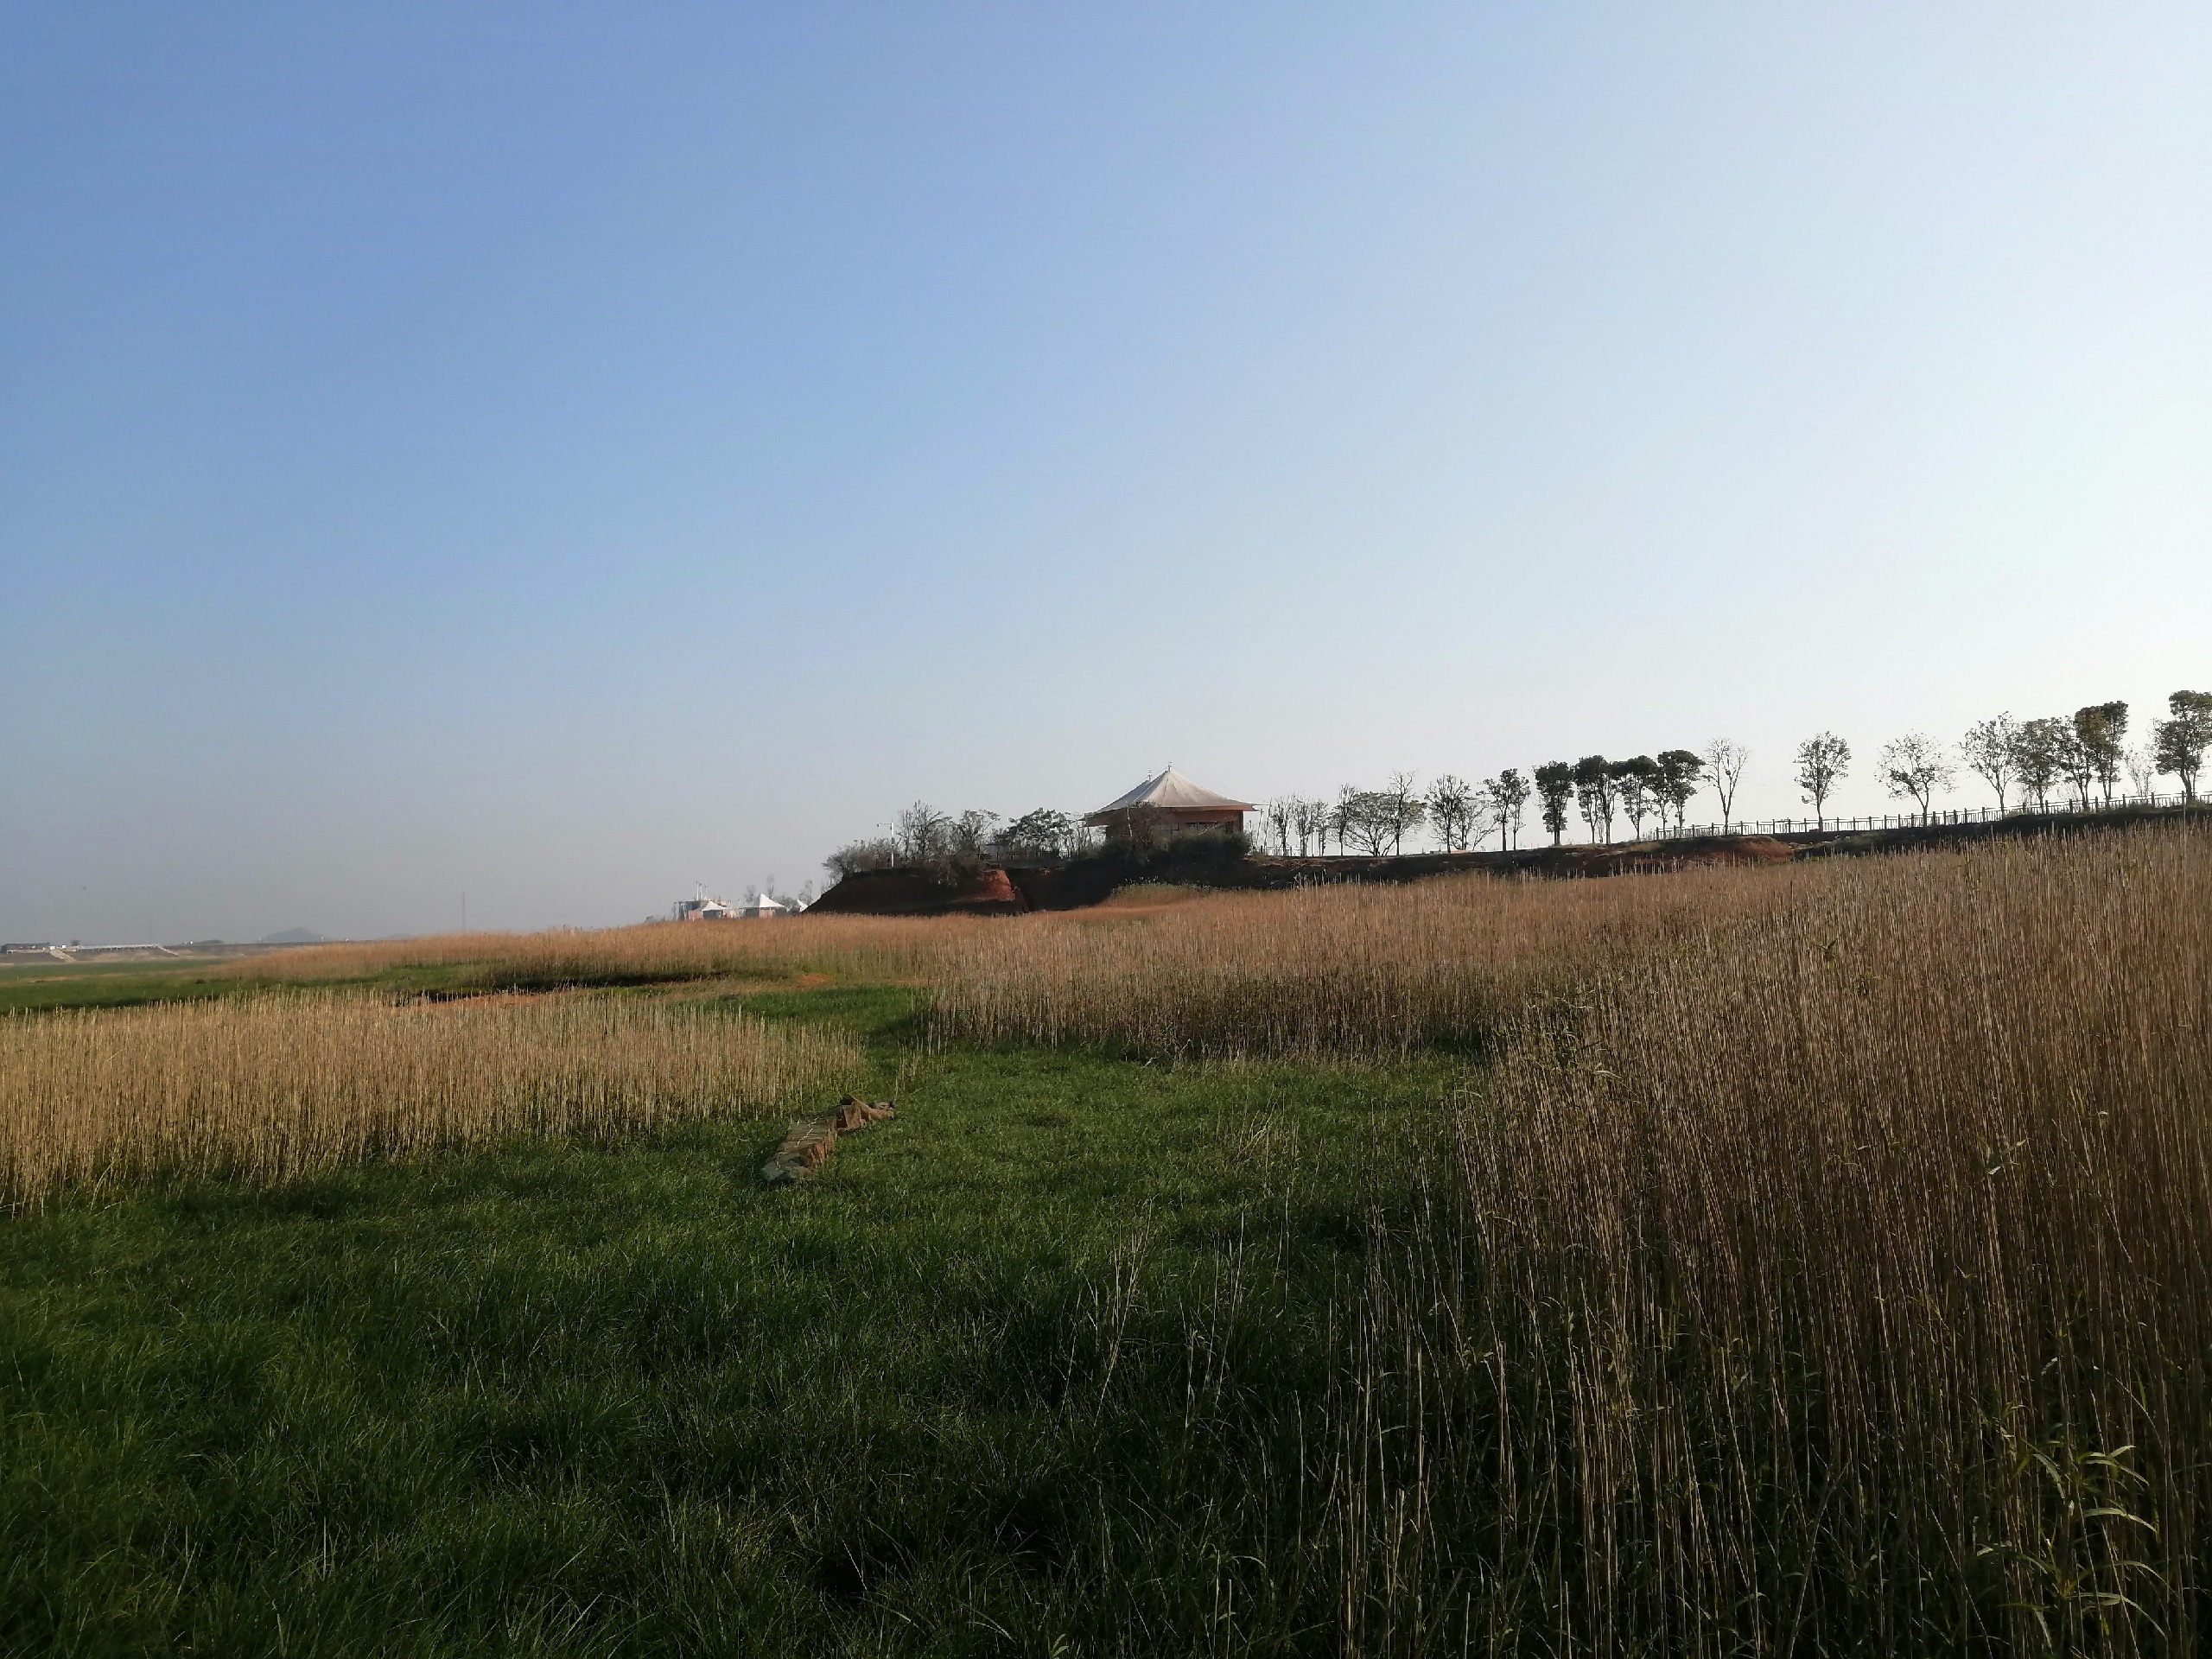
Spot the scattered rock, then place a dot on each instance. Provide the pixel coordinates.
(810, 1141)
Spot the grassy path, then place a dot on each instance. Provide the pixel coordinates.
(1030, 1367)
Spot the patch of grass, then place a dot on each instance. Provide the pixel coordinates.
(135, 984)
(1025, 1368)
(103, 985)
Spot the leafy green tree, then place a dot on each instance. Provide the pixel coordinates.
(2039, 757)
(2179, 743)
(1991, 749)
(2075, 764)
(1504, 797)
(1636, 785)
(2101, 732)
(1822, 762)
(1680, 772)
(1554, 789)
(1913, 768)
(1594, 795)
(1044, 832)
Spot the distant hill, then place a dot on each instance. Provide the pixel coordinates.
(293, 935)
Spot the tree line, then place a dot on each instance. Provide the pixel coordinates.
(922, 837)
(2082, 758)
(1462, 816)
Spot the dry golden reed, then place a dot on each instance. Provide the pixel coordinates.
(276, 1085)
(1838, 1280)
(1826, 1265)
(882, 948)
(1363, 971)
(1324, 971)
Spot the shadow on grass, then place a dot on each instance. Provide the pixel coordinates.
(1034, 1363)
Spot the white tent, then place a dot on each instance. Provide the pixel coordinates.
(702, 909)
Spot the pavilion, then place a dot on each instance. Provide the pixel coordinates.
(1170, 802)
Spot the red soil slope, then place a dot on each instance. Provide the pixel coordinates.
(910, 893)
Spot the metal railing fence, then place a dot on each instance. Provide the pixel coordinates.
(1846, 826)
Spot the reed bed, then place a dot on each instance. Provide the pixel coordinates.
(1325, 972)
(1842, 1281)
(273, 1086)
(882, 948)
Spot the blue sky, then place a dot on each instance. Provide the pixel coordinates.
(559, 453)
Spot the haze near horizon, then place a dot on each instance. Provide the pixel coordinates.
(563, 453)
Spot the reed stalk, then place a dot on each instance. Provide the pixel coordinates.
(272, 1086)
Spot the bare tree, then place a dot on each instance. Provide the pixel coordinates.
(1407, 808)
(1913, 768)
(1503, 799)
(876, 853)
(1724, 763)
(1821, 761)
(1278, 815)
(923, 835)
(1991, 749)
(1145, 825)
(970, 834)
(1311, 819)
(1452, 809)
(2142, 769)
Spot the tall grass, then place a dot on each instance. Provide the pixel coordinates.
(273, 1086)
(1841, 1280)
(1822, 1263)
(1346, 970)
(1322, 972)
(877, 947)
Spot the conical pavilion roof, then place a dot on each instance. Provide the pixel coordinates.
(1170, 790)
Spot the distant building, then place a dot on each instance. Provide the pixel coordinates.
(701, 909)
(759, 909)
(1171, 802)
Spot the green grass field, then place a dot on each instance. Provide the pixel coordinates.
(1038, 1366)
(1789, 1260)
(30, 986)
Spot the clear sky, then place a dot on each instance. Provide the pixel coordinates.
(559, 453)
